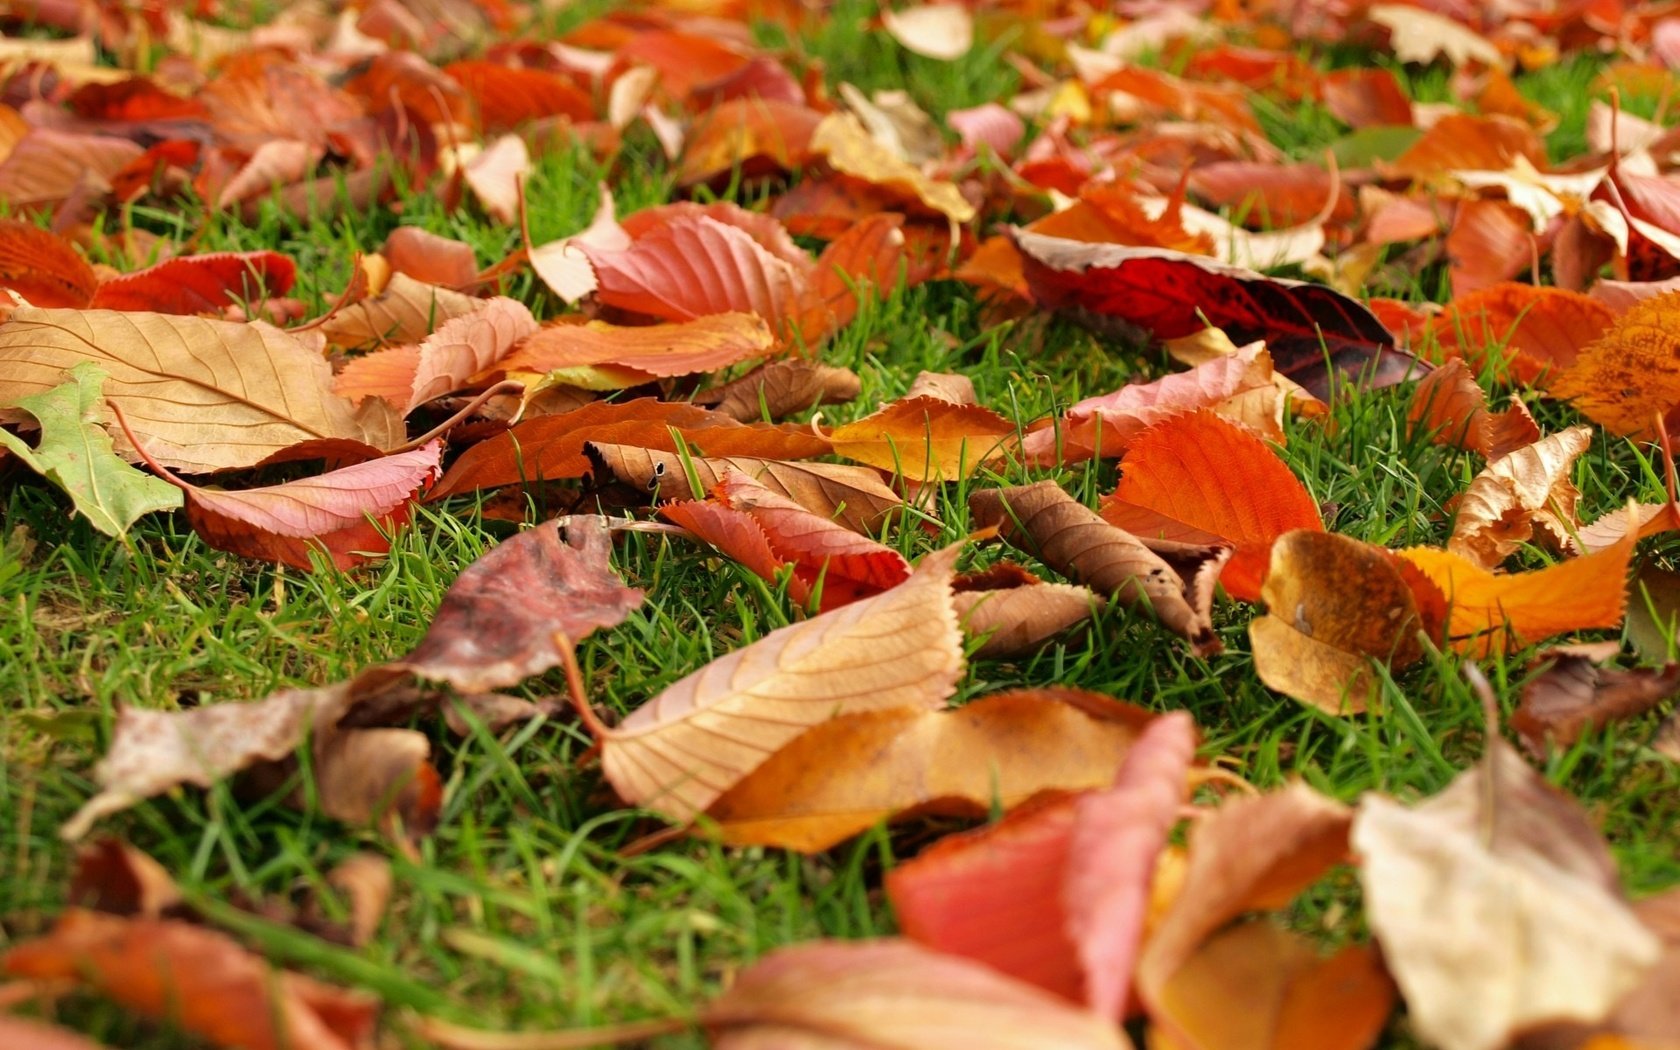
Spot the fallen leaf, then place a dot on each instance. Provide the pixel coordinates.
(1071, 539)
(1056, 895)
(513, 612)
(1572, 694)
(43, 267)
(844, 775)
(112, 876)
(199, 284)
(1537, 332)
(1494, 611)
(781, 388)
(1014, 612)
(1450, 406)
(1422, 36)
(1631, 374)
(1366, 98)
(1173, 294)
(495, 174)
(403, 311)
(893, 995)
(1523, 494)
(1464, 142)
(755, 136)
(943, 31)
(683, 749)
(460, 348)
(1498, 906)
(564, 266)
(1319, 636)
(701, 345)
(366, 879)
(843, 141)
(924, 438)
(850, 496)
(38, 1035)
(75, 453)
(429, 258)
(205, 395)
(1197, 478)
(47, 166)
(198, 980)
(507, 97)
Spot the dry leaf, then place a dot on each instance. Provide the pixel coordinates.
(1498, 906)
(563, 265)
(460, 348)
(893, 995)
(200, 284)
(781, 388)
(1537, 332)
(204, 395)
(1199, 479)
(1631, 375)
(1450, 406)
(1422, 36)
(199, 980)
(1071, 539)
(429, 258)
(403, 311)
(846, 144)
(366, 879)
(1573, 694)
(113, 876)
(850, 496)
(1015, 612)
(944, 31)
(1319, 635)
(494, 176)
(511, 613)
(43, 267)
(1526, 492)
(38, 1035)
(702, 345)
(684, 748)
(924, 438)
(846, 774)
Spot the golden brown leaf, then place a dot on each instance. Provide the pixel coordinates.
(1527, 492)
(204, 395)
(702, 345)
(848, 147)
(1015, 612)
(684, 748)
(1319, 635)
(402, 311)
(1631, 374)
(924, 438)
(781, 388)
(846, 774)
(1071, 539)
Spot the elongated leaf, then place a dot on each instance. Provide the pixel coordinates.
(682, 749)
(1316, 335)
(74, 452)
(702, 345)
(1015, 612)
(197, 284)
(925, 438)
(461, 348)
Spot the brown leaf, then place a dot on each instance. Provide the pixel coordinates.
(201, 981)
(402, 311)
(893, 995)
(944, 386)
(204, 395)
(1074, 541)
(1573, 695)
(1319, 635)
(512, 613)
(1450, 405)
(781, 388)
(43, 267)
(846, 774)
(1498, 906)
(460, 348)
(850, 496)
(1015, 612)
(681, 750)
(112, 876)
(1525, 493)
(366, 879)
(47, 166)
(704, 344)
(849, 149)
(759, 136)
(924, 438)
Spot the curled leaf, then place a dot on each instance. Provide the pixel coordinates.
(924, 438)
(1450, 405)
(1527, 492)
(1573, 694)
(781, 388)
(1015, 612)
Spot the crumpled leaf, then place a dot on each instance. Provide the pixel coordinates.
(1199, 479)
(360, 774)
(1631, 374)
(893, 995)
(684, 748)
(199, 980)
(1071, 539)
(347, 514)
(43, 267)
(1319, 635)
(1490, 611)
(1172, 294)
(781, 388)
(204, 395)
(1015, 612)
(199, 284)
(850, 496)
(924, 438)
(846, 774)
(1450, 405)
(1498, 906)
(461, 347)
(1525, 493)
(846, 565)
(1573, 694)
(1057, 894)
(510, 614)
(75, 453)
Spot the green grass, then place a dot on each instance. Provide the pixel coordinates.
(523, 910)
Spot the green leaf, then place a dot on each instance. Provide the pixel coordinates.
(75, 454)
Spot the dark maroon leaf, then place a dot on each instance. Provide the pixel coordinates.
(509, 615)
(1316, 335)
(1575, 695)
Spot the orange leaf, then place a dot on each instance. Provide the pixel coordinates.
(562, 264)
(924, 438)
(701, 345)
(1631, 374)
(446, 361)
(1535, 330)
(508, 97)
(758, 136)
(1491, 611)
(429, 258)
(1201, 479)
(1490, 241)
(1449, 405)
(47, 166)
(1459, 140)
(43, 267)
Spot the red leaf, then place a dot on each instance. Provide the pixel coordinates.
(43, 267)
(1174, 295)
(508, 97)
(199, 284)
